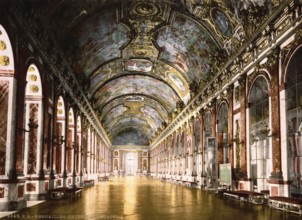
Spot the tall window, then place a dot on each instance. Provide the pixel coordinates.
(182, 144)
(33, 118)
(70, 141)
(196, 147)
(7, 84)
(172, 148)
(259, 130)
(223, 131)
(207, 134)
(78, 146)
(294, 119)
(59, 144)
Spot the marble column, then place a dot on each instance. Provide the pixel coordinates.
(242, 124)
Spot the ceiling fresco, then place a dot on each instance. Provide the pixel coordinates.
(139, 60)
(118, 106)
(97, 40)
(187, 46)
(130, 136)
(222, 22)
(131, 122)
(138, 65)
(137, 84)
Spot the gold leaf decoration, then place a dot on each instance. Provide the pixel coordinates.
(34, 88)
(33, 78)
(31, 69)
(4, 60)
(2, 45)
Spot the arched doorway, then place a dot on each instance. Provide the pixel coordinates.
(131, 166)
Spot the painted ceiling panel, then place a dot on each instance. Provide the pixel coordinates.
(138, 65)
(134, 109)
(114, 113)
(97, 40)
(130, 136)
(222, 22)
(152, 113)
(146, 118)
(110, 108)
(187, 46)
(137, 84)
(132, 121)
(161, 69)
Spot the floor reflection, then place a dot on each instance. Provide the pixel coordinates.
(139, 198)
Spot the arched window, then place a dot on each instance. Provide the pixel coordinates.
(172, 147)
(197, 135)
(182, 144)
(7, 85)
(70, 140)
(259, 130)
(176, 163)
(33, 121)
(207, 134)
(223, 131)
(294, 120)
(78, 146)
(176, 146)
(59, 144)
(197, 147)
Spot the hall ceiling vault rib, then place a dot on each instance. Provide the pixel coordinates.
(139, 62)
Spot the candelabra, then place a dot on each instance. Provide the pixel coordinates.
(32, 125)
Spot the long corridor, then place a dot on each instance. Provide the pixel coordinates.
(139, 198)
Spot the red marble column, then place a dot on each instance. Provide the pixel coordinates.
(275, 105)
(242, 135)
(230, 126)
(4, 90)
(201, 114)
(32, 146)
(219, 148)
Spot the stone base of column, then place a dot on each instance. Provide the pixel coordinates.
(244, 184)
(68, 181)
(36, 189)
(276, 184)
(12, 205)
(60, 182)
(51, 184)
(12, 195)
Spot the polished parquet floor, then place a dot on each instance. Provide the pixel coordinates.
(139, 198)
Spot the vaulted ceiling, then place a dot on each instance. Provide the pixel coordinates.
(140, 60)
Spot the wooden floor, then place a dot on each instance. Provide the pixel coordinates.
(140, 198)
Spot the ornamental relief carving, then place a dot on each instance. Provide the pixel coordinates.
(272, 58)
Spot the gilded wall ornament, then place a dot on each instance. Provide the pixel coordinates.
(34, 89)
(4, 60)
(272, 58)
(33, 78)
(145, 9)
(2, 45)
